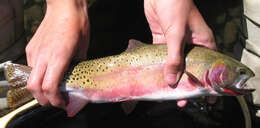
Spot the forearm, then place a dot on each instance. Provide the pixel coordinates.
(62, 35)
(195, 18)
(167, 18)
(69, 10)
(74, 12)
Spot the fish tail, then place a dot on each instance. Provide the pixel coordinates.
(17, 75)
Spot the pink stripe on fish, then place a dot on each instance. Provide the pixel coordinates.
(126, 83)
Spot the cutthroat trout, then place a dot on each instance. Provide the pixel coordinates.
(137, 74)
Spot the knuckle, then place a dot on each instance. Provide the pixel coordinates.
(28, 52)
(46, 88)
(55, 99)
(32, 86)
(28, 49)
(43, 103)
(49, 89)
(56, 103)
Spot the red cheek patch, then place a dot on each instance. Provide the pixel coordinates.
(215, 74)
(219, 73)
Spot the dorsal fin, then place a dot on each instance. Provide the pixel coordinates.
(132, 44)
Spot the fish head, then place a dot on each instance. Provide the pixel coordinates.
(229, 77)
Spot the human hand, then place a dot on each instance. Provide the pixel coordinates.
(168, 22)
(62, 35)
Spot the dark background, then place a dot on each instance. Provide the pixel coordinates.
(113, 23)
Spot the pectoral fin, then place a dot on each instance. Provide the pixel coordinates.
(192, 79)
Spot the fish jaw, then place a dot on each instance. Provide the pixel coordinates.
(239, 87)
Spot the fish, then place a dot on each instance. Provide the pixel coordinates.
(137, 75)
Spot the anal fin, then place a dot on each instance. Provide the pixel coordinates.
(76, 103)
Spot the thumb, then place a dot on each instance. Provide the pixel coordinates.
(175, 60)
(173, 68)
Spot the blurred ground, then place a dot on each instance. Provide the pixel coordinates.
(125, 20)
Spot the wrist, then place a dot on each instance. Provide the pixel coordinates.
(69, 10)
(65, 2)
(195, 17)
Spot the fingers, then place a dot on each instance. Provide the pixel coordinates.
(182, 103)
(50, 85)
(175, 59)
(35, 82)
(203, 38)
(168, 25)
(45, 78)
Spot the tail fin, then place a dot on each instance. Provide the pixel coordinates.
(17, 75)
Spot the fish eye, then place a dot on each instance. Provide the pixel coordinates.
(242, 71)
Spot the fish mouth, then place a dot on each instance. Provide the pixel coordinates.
(240, 87)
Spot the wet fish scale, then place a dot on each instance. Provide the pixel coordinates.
(82, 74)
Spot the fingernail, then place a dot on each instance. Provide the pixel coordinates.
(172, 79)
